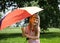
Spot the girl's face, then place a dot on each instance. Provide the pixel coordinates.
(34, 20)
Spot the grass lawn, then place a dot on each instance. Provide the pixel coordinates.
(12, 35)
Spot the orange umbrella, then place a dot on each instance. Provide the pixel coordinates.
(17, 15)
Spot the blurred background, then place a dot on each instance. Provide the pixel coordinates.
(49, 18)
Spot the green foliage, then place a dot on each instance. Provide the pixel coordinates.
(50, 14)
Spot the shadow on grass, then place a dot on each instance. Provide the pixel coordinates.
(13, 35)
(43, 35)
(50, 35)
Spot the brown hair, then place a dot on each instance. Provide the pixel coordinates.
(35, 27)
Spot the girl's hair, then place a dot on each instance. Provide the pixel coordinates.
(37, 16)
(36, 27)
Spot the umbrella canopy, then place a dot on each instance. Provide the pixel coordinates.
(32, 10)
(17, 15)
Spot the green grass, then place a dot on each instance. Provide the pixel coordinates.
(51, 37)
(12, 35)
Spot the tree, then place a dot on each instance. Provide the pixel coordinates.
(50, 14)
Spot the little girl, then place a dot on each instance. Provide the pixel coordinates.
(32, 31)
